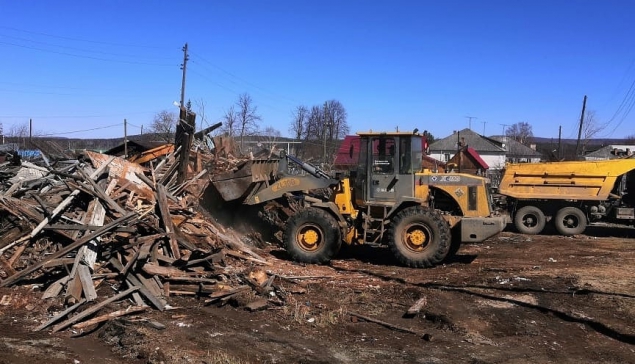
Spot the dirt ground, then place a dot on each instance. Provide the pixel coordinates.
(512, 299)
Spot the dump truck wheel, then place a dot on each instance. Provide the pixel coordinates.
(529, 220)
(570, 221)
(419, 237)
(312, 236)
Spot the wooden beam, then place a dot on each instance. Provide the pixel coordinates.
(109, 316)
(92, 310)
(59, 316)
(62, 206)
(85, 239)
(166, 218)
(133, 281)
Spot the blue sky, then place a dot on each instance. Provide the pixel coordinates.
(80, 65)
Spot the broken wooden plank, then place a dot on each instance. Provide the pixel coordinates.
(417, 306)
(55, 288)
(192, 279)
(59, 316)
(226, 292)
(109, 316)
(8, 269)
(87, 282)
(67, 200)
(385, 324)
(134, 282)
(16, 277)
(59, 261)
(155, 269)
(238, 255)
(167, 220)
(93, 309)
(101, 194)
(210, 259)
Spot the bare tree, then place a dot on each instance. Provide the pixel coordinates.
(299, 119)
(322, 126)
(230, 122)
(520, 132)
(591, 127)
(200, 112)
(337, 125)
(271, 132)
(164, 126)
(247, 117)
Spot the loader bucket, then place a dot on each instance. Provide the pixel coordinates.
(241, 181)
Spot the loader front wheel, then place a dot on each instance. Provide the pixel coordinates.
(529, 220)
(312, 236)
(570, 221)
(419, 237)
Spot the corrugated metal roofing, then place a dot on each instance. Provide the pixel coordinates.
(477, 158)
(514, 148)
(472, 139)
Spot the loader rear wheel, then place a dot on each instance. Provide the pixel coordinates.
(570, 221)
(529, 220)
(419, 237)
(312, 236)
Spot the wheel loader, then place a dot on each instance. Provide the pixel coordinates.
(422, 215)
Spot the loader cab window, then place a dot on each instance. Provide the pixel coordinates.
(410, 155)
(384, 155)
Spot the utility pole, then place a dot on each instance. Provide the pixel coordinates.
(324, 131)
(470, 121)
(30, 129)
(141, 129)
(125, 138)
(577, 145)
(484, 122)
(560, 142)
(186, 57)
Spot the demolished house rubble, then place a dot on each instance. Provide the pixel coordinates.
(107, 237)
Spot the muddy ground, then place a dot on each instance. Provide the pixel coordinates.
(512, 299)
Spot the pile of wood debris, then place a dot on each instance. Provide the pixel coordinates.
(100, 229)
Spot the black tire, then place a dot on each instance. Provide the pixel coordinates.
(419, 237)
(529, 220)
(312, 235)
(570, 221)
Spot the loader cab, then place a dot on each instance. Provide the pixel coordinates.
(386, 166)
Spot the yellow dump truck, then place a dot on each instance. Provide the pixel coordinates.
(569, 194)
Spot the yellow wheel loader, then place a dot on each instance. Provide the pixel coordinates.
(388, 199)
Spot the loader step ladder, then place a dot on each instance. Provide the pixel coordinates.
(370, 224)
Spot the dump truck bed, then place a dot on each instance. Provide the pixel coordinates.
(575, 180)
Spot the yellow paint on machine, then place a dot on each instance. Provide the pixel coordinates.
(574, 180)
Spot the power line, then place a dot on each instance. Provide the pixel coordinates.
(625, 106)
(87, 57)
(83, 49)
(227, 88)
(73, 116)
(245, 81)
(84, 40)
(81, 131)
